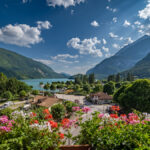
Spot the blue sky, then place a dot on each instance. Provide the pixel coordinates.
(71, 35)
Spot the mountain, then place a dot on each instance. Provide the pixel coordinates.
(141, 69)
(123, 60)
(65, 74)
(15, 65)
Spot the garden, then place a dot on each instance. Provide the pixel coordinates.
(45, 129)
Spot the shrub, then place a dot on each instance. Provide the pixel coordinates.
(134, 96)
(102, 133)
(109, 88)
(58, 112)
(8, 95)
(69, 106)
(35, 92)
(22, 94)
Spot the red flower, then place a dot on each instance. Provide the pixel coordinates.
(61, 135)
(115, 108)
(36, 121)
(46, 111)
(33, 114)
(47, 117)
(53, 124)
(123, 115)
(113, 115)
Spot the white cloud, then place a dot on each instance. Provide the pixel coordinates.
(109, 0)
(112, 35)
(111, 9)
(104, 41)
(137, 23)
(87, 46)
(94, 23)
(64, 3)
(105, 49)
(44, 24)
(116, 46)
(21, 35)
(115, 19)
(145, 13)
(65, 56)
(44, 61)
(126, 23)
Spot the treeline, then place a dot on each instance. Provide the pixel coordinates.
(11, 88)
(118, 77)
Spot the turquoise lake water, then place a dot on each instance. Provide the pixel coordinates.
(36, 82)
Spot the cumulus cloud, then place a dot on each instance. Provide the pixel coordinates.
(104, 41)
(145, 13)
(64, 3)
(87, 46)
(44, 24)
(116, 46)
(111, 9)
(94, 23)
(137, 23)
(115, 19)
(65, 56)
(126, 23)
(22, 34)
(105, 49)
(44, 61)
(112, 35)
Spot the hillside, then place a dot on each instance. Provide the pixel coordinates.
(15, 65)
(126, 58)
(142, 68)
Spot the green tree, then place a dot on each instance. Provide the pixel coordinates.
(135, 96)
(118, 77)
(53, 87)
(46, 86)
(86, 87)
(109, 88)
(111, 78)
(58, 111)
(22, 94)
(98, 88)
(92, 78)
(35, 92)
(8, 95)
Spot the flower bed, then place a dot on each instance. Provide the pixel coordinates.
(38, 129)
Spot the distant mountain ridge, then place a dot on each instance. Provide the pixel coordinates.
(123, 60)
(141, 69)
(21, 67)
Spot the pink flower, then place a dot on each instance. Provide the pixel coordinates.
(86, 109)
(101, 115)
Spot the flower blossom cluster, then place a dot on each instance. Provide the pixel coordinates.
(5, 124)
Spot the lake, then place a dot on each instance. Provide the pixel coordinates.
(36, 82)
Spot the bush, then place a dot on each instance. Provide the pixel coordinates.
(22, 94)
(6, 111)
(8, 95)
(35, 92)
(104, 134)
(58, 112)
(109, 88)
(69, 106)
(134, 96)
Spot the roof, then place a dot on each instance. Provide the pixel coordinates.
(45, 101)
(102, 96)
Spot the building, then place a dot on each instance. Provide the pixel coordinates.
(45, 101)
(100, 98)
